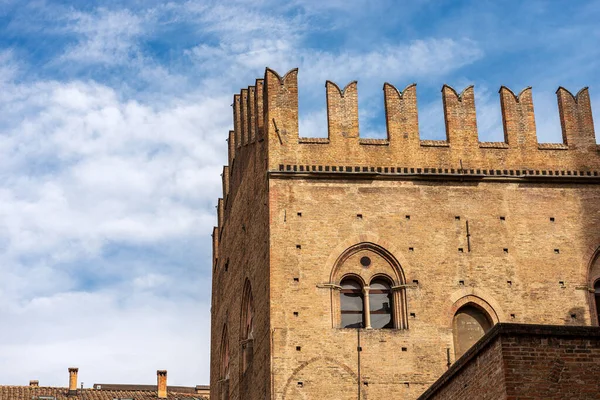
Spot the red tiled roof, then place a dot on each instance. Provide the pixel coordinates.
(130, 392)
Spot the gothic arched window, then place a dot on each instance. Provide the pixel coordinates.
(247, 328)
(469, 325)
(368, 289)
(351, 304)
(224, 367)
(380, 304)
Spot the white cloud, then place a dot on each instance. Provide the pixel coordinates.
(106, 37)
(83, 169)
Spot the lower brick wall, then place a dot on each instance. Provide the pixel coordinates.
(516, 361)
(552, 366)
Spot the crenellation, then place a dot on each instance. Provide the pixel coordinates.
(225, 178)
(237, 121)
(270, 110)
(215, 246)
(251, 107)
(401, 115)
(231, 144)
(518, 118)
(220, 213)
(342, 111)
(258, 103)
(576, 119)
(460, 117)
(244, 111)
(281, 106)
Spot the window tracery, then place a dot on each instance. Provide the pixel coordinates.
(368, 289)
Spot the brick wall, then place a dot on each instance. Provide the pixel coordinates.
(515, 361)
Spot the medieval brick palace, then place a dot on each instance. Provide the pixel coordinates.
(347, 267)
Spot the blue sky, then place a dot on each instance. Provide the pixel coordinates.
(112, 141)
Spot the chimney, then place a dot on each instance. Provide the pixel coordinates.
(161, 377)
(73, 380)
(34, 383)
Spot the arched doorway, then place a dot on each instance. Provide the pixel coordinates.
(469, 325)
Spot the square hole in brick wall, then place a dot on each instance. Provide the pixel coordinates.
(404, 349)
(551, 219)
(505, 250)
(300, 384)
(296, 279)
(359, 216)
(298, 348)
(509, 283)
(416, 281)
(556, 251)
(461, 250)
(407, 217)
(296, 313)
(411, 249)
(513, 316)
(298, 246)
(413, 315)
(502, 218)
(457, 218)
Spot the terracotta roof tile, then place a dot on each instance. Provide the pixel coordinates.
(142, 392)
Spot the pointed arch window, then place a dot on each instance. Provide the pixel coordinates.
(247, 328)
(368, 289)
(366, 306)
(224, 367)
(352, 304)
(380, 304)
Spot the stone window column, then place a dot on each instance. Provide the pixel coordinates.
(367, 308)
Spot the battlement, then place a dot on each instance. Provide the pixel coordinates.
(266, 115)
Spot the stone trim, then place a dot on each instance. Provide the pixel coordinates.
(474, 172)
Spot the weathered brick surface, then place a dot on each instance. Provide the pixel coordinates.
(526, 362)
(296, 208)
(241, 252)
